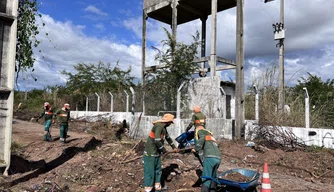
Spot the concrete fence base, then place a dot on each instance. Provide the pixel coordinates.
(221, 128)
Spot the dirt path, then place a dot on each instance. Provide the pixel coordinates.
(30, 132)
(88, 164)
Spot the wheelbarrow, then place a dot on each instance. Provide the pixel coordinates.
(229, 186)
(186, 139)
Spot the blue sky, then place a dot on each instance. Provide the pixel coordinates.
(90, 31)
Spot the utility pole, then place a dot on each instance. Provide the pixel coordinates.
(281, 98)
(279, 34)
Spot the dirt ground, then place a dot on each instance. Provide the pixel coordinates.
(94, 159)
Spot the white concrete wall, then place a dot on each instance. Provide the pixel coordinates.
(206, 93)
(221, 128)
(323, 137)
(94, 115)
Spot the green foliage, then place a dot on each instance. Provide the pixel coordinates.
(319, 91)
(36, 98)
(27, 30)
(92, 78)
(178, 59)
(321, 95)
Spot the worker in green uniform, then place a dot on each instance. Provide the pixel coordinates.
(207, 148)
(48, 114)
(63, 117)
(154, 148)
(197, 119)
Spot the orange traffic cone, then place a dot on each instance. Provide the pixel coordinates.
(266, 187)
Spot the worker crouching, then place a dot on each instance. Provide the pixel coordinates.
(154, 148)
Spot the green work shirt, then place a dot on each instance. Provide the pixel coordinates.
(197, 119)
(205, 144)
(47, 114)
(155, 141)
(63, 115)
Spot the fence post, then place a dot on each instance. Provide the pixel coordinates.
(111, 102)
(86, 106)
(256, 104)
(307, 109)
(224, 102)
(133, 100)
(178, 100)
(76, 110)
(98, 102)
(127, 101)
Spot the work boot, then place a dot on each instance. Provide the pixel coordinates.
(46, 138)
(213, 186)
(50, 138)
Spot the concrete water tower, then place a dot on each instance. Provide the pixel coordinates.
(176, 12)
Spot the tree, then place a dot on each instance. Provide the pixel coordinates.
(321, 97)
(92, 78)
(178, 59)
(27, 30)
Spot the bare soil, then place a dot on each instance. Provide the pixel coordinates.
(94, 159)
(237, 177)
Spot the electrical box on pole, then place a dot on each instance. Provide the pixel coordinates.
(279, 31)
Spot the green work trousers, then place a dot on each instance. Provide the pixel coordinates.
(210, 166)
(63, 130)
(152, 170)
(47, 125)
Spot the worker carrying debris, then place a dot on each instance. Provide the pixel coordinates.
(207, 149)
(197, 119)
(48, 114)
(154, 147)
(63, 117)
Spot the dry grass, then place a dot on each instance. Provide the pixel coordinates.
(268, 102)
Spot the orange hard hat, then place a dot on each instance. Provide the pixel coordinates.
(197, 109)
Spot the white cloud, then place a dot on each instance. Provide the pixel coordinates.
(70, 46)
(95, 10)
(99, 26)
(309, 43)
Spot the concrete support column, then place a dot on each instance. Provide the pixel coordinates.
(239, 99)
(203, 46)
(213, 49)
(144, 57)
(174, 17)
(256, 104)
(7, 73)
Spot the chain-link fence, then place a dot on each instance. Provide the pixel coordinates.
(295, 112)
